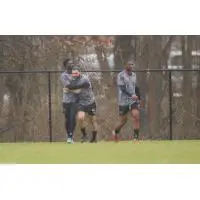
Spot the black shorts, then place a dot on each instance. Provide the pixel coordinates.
(89, 109)
(123, 110)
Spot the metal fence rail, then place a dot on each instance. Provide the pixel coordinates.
(31, 104)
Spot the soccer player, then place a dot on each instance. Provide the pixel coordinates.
(128, 100)
(86, 102)
(69, 101)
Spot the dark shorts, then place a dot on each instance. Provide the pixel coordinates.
(89, 109)
(69, 107)
(123, 110)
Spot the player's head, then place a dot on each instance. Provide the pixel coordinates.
(129, 65)
(76, 71)
(68, 64)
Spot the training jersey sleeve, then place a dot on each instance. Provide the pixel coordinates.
(83, 83)
(65, 79)
(86, 96)
(137, 91)
(68, 96)
(122, 86)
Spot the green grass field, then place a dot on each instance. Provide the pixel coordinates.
(147, 152)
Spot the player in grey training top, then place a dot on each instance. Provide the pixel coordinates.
(68, 96)
(86, 101)
(69, 101)
(126, 88)
(128, 99)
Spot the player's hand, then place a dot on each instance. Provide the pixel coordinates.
(65, 90)
(135, 97)
(141, 104)
(77, 91)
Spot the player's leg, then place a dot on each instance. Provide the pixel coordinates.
(81, 119)
(93, 119)
(66, 111)
(71, 120)
(73, 113)
(66, 114)
(135, 113)
(123, 116)
(91, 111)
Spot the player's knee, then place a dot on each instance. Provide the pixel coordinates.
(81, 116)
(93, 119)
(136, 117)
(135, 114)
(81, 119)
(94, 122)
(123, 121)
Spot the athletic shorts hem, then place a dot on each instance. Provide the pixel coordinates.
(124, 109)
(89, 109)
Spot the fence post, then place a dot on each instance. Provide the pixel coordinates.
(170, 105)
(49, 107)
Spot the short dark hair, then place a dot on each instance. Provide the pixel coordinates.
(129, 62)
(66, 61)
(76, 67)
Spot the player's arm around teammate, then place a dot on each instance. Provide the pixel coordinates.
(86, 103)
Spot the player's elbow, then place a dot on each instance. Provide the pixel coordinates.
(86, 85)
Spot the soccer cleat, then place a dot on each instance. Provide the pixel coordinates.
(93, 140)
(115, 137)
(136, 138)
(70, 141)
(94, 137)
(84, 139)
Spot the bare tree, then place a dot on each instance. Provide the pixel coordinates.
(123, 50)
(198, 106)
(187, 82)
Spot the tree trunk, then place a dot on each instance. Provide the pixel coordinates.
(198, 105)
(106, 81)
(123, 50)
(155, 85)
(187, 84)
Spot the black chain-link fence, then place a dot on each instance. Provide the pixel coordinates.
(31, 105)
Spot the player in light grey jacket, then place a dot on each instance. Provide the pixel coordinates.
(128, 100)
(69, 101)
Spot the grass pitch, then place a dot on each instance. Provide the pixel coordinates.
(147, 152)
